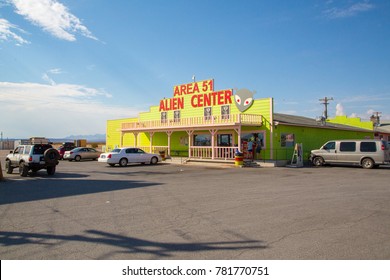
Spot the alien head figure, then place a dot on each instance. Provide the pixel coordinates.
(243, 99)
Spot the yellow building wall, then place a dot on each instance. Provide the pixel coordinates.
(113, 133)
(355, 122)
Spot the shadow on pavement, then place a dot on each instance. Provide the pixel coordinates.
(15, 191)
(127, 244)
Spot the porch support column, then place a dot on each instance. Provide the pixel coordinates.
(169, 133)
(238, 130)
(213, 132)
(135, 139)
(190, 133)
(121, 139)
(151, 141)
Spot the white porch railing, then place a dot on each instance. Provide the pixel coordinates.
(224, 152)
(248, 119)
(201, 152)
(207, 152)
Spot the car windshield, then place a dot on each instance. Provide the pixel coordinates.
(116, 151)
(40, 149)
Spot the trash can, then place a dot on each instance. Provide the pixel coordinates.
(162, 154)
(239, 159)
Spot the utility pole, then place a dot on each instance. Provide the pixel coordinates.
(326, 103)
(375, 118)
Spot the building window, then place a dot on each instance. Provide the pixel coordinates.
(225, 112)
(176, 116)
(164, 117)
(202, 140)
(225, 140)
(207, 113)
(287, 140)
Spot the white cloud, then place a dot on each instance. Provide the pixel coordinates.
(55, 71)
(8, 32)
(53, 17)
(46, 78)
(56, 110)
(352, 10)
(340, 110)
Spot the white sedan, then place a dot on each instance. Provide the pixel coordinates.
(123, 156)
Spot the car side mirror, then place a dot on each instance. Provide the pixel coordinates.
(11, 152)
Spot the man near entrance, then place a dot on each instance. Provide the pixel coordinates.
(259, 144)
(250, 149)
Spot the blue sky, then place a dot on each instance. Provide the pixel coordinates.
(66, 66)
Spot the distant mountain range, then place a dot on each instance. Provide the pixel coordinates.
(90, 138)
(95, 138)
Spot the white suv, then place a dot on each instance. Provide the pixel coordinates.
(32, 157)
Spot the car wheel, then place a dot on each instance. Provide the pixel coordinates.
(368, 163)
(318, 161)
(23, 169)
(77, 158)
(123, 162)
(154, 160)
(8, 167)
(51, 170)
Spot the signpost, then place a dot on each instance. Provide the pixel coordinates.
(297, 158)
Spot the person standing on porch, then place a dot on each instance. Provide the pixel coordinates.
(250, 149)
(259, 144)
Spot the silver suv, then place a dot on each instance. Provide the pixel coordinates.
(32, 157)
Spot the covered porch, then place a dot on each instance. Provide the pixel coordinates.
(214, 125)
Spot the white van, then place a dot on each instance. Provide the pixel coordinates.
(366, 153)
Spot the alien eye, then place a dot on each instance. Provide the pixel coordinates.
(248, 101)
(238, 99)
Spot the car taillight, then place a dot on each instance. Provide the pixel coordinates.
(30, 158)
(383, 147)
(109, 156)
(70, 152)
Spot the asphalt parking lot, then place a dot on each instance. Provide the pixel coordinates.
(89, 210)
